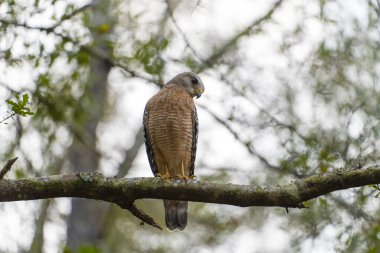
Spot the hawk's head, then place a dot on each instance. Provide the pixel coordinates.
(191, 82)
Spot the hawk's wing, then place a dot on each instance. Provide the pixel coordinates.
(194, 141)
(148, 144)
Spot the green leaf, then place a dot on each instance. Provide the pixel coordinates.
(25, 99)
(10, 102)
(20, 107)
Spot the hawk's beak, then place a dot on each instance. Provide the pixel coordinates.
(199, 91)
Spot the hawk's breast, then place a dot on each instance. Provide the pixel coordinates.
(170, 126)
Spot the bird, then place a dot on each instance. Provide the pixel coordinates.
(171, 131)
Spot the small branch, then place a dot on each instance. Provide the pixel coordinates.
(92, 52)
(50, 28)
(7, 167)
(211, 61)
(235, 134)
(131, 154)
(70, 15)
(8, 117)
(140, 214)
(184, 37)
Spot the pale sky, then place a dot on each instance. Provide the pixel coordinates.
(223, 19)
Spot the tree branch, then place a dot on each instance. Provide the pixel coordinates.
(91, 51)
(139, 214)
(124, 191)
(7, 167)
(181, 32)
(131, 153)
(236, 135)
(212, 59)
(67, 16)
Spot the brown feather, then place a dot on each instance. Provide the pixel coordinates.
(170, 126)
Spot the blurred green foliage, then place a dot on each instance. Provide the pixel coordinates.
(313, 101)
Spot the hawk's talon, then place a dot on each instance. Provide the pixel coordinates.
(186, 178)
(162, 176)
(181, 177)
(194, 178)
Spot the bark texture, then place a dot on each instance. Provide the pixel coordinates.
(124, 191)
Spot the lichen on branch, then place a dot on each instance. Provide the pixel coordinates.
(124, 191)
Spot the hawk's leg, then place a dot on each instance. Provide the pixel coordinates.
(163, 176)
(183, 175)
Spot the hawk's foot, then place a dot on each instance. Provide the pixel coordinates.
(186, 178)
(162, 176)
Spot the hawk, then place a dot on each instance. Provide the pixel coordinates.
(171, 132)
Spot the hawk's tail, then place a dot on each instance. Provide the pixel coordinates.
(175, 214)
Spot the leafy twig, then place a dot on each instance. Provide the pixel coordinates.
(377, 188)
(95, 53)
(20, 106)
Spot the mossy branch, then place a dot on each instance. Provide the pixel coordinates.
(124, 191)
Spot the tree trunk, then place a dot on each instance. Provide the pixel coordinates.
(86, 220)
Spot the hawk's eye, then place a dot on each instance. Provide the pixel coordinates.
(194, 80)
